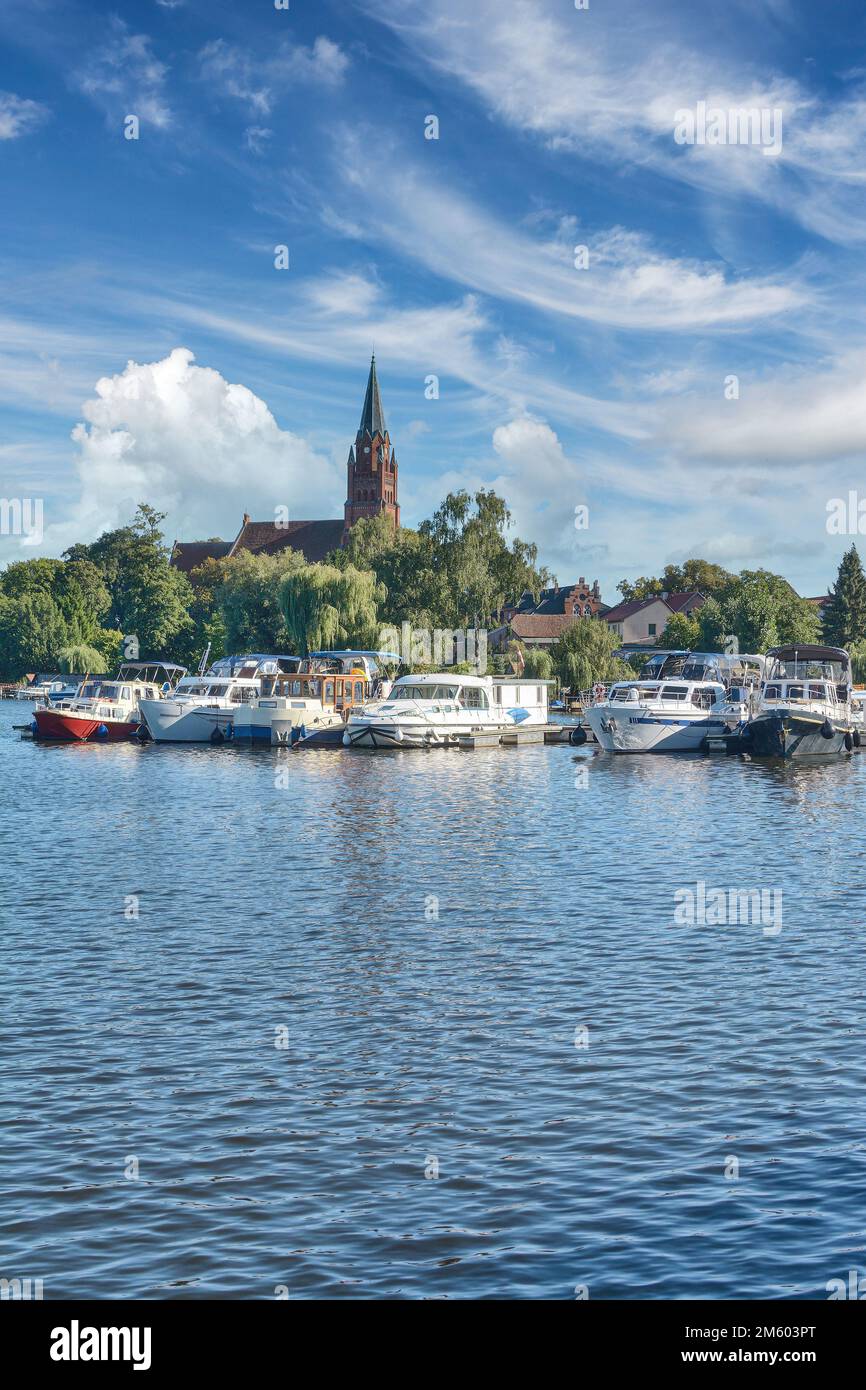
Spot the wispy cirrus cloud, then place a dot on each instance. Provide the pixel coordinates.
(611, 93)
(628, 283)
(257, 81)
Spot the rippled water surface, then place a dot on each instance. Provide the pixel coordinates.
(307, 902)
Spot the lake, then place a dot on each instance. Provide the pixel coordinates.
(429, 1024)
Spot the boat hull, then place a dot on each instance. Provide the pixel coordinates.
(780, 735)
(54, 724)
(196, 725)
(617, 731)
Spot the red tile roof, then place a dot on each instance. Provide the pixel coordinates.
(315, 538)
(539, 625)
(186, 555)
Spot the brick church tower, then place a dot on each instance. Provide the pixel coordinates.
(371, 466)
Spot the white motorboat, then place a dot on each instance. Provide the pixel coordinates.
(202, 708)
(318, 696)
(432, 710)
(804, 708)
(691, 697)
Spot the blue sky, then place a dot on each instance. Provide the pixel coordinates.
(149, 349)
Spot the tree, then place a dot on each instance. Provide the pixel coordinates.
(760, 610)
(700, 575)
(80, 658)
(845, 617)
(148, 598)
(584, 654)
(32, 633)
(247, 591)
(325, 607)
(681, 634)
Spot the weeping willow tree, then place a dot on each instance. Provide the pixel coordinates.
(324, 607)
(584, 654)
(78, 656)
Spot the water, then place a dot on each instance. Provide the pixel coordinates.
(414, 1041)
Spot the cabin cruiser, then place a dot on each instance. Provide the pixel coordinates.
(804, 705)
(426, 711)
(690, 696)
(42, 688)
(108, 710)
(202, 708)
(315, 698)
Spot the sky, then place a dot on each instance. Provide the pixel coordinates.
(693, 376)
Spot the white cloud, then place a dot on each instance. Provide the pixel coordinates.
(628, 283)
(194, 445)
(19, 115)
(258, 81)
(610, 93)
(124, 77)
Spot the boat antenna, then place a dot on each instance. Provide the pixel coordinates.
(202, 665)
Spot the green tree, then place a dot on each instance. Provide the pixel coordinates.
(148, 598)
(326, 607)
(845, 617)
(681, 634)
(584, 654)
(702, 575)
(247, 592)
(80, 658)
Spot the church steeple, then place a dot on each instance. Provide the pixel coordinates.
(371, 466)
(373, 416)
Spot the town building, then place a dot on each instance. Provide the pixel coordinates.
(641, 622)
(371, 490)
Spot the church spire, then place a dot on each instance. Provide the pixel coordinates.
(372, 416)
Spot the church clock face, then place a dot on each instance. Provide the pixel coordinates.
(366, 449)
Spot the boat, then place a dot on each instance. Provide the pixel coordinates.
(690, 697)
(41, 688)
(202, 708)
(439, 709)
(804, 706)
(316, 697)
(107, 710)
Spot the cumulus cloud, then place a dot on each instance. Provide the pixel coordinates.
(257, 81)
(19, 115)
(194, 445)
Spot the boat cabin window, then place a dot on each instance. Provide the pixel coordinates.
(817, 692)
(703, 699)
(674, 692)
(795, 692)
(328, 697)
(772, 692)
(242, 694)
(471, 697)
(359, 692)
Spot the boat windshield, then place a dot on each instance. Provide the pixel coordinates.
(424, 692)
(801, 670)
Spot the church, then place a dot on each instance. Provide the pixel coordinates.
(371, 488)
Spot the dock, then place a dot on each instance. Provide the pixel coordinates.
(518, 737)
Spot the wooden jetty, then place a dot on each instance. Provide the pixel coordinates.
(518, 736)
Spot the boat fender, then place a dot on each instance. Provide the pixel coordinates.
(577, 736)
(849, 742)
(826, 729)
(856, 737)
(217, 736)
(102, 731)
(746, 732)
(34, 727)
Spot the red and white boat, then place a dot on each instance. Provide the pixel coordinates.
(105, 711)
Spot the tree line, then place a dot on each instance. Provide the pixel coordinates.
(457, 570)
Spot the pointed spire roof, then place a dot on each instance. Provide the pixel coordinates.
(372, 416)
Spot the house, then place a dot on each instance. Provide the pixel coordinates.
(371, 489)
(580, 600)
(642, 621)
